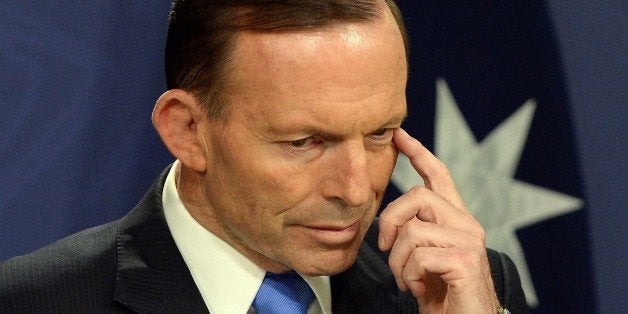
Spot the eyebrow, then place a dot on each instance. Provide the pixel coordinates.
(396, 120)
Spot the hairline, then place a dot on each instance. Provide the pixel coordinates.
(215, 95)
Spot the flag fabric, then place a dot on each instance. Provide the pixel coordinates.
(485, 92)
(77, 88)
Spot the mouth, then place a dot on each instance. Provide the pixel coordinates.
(333, 234)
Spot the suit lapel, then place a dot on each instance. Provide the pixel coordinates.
(151, 274)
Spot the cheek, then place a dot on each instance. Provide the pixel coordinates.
(281, 184)
(382, 164)
(254, 174)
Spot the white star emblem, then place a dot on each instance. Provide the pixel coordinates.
(484, 174)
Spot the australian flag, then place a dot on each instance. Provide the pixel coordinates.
(486, 93)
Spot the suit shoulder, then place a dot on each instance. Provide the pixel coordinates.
(78, 247)
(82, 262)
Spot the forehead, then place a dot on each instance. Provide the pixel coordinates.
(372, 48)
(320, 75)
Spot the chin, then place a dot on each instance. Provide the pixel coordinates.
(326, 264)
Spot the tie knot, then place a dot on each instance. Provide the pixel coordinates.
(283, 293)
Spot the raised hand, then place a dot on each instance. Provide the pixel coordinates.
(437, 249)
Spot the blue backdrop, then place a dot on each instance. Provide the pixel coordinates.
(78, 83)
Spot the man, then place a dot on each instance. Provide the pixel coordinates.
(284, 117)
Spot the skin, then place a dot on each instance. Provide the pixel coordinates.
(295, 173)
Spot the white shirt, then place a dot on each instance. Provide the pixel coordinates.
(227, 280)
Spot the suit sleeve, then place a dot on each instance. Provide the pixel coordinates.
(507, 283)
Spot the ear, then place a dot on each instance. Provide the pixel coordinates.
(178, 118)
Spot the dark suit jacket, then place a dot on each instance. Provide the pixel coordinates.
(133, 265)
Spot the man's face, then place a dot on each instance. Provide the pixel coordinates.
(297, 170)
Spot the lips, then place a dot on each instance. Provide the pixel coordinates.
(333, 234)
(333, 227)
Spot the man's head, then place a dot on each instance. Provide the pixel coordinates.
(201, 35)
(294, 173)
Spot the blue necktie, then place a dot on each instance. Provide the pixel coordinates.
(282, 294)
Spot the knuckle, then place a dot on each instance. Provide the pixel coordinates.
(416, 224)
(421, 234)
(411, 229)
(469, 258)
(477, 230)
(396, 264)
(442, 177)
(419, 261)
(404, 232)
(441, 168)
(417, 258)
(475, 243)
(384, 217)
(479, 245)
(481, 233)
(418, 191)
(387, 221)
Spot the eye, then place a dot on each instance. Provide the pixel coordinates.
(304, 142)
(300, 142)
(382, 134)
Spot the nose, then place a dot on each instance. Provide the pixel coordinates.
(348, 178)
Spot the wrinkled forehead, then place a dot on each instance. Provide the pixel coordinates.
(352, 71)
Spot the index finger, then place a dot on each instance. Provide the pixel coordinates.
(434, 173)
